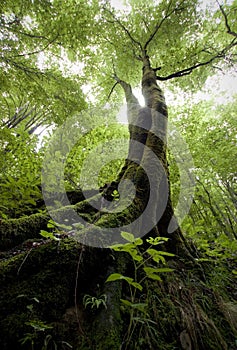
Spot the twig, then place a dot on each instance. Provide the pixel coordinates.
(112, 90)
(28, 253)
(158, 25)
(35, 52)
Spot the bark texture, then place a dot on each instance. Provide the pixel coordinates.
(147, 167)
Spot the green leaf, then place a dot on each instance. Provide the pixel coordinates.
(157, 240)
(128, 279)
(135, 255)
(126, 302)
(136, 285)
(128, 236)
(156, 256)
(163, 269)
(48, 235)
(118, 276)
(138, 241)
(149, 269)
(140, 306)
(154, 277)
(114, 277)
(161, 252)
(152, 273)
(35, 299)
(51, 224)
(30, 307)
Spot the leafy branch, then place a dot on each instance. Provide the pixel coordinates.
(116, 20)
(189, 70)
(159, 24)
(36, 51)
(145, 264)
(229, 31)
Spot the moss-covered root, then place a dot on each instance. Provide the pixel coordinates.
(38, 288)
(16, 231)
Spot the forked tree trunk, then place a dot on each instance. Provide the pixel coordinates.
(147, 167)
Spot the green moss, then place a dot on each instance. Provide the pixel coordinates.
(15, 231)
(46, 274)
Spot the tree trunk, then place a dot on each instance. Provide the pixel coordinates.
(147, 167)
(63, 284)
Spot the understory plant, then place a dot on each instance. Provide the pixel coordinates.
(146, 266)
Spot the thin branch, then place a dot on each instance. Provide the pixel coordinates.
(131, 100)
(34, 128)
(24, 33)
(146, 25)
(37, 119)
(185, 71)
(158, 25)
(189, 70)
(229, 31)
(13, 119)
(21, 117)
(26, 70)
(136, 42)
(35, 52)
(8, 107)
(112, 90)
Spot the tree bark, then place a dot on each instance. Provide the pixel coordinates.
(147, 166)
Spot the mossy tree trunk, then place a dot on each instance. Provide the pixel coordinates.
(146, 165)
(46, 283)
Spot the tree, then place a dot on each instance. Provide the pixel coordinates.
(213, 210)
(143, 188)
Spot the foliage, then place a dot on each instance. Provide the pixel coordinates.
(94, 302)
(38, 326)
(20, 166)
(210, 132)
(91, 153)
(146, 266)
(45, 66)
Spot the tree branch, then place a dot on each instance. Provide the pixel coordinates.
(13, 30)
(136, 42)
(229, 31)
(35, 52)
(189, 70)
(132, 101)
(158, 26)
(112, 90)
